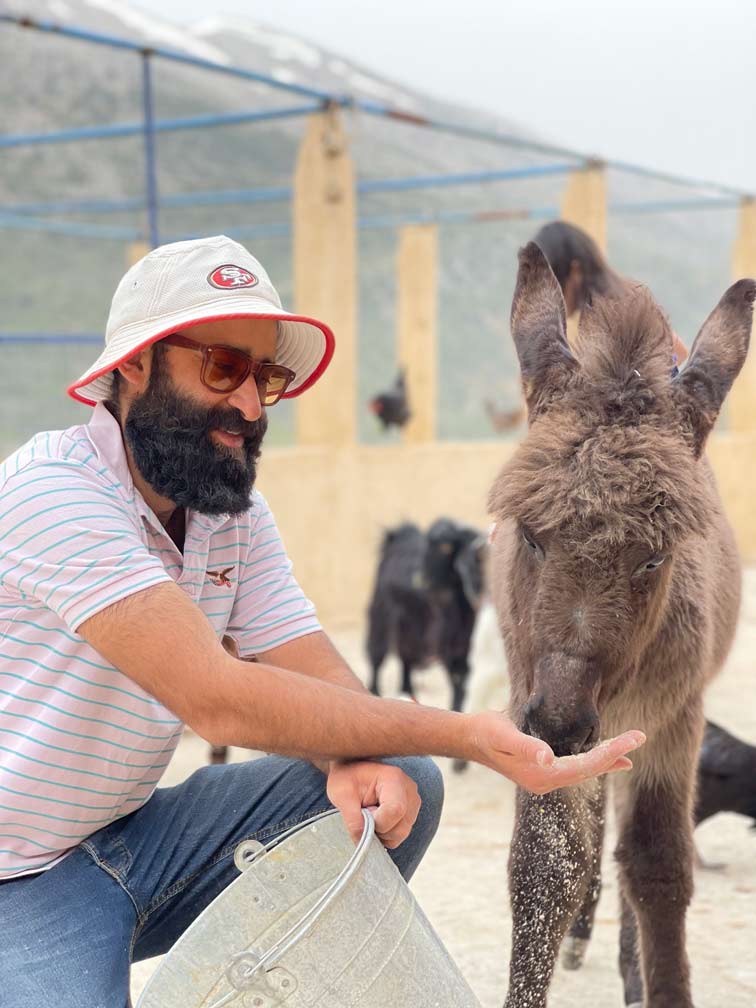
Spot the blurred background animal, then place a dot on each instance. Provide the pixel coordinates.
(584, 274)
(488, 685)
(427, 590)
(726, 775)
(503, 420)
(392, 407)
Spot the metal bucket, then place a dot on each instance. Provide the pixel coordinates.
(311, 921)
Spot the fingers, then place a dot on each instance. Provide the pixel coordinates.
(385, 790)
(510, 741)
(607, 757)
(394, 819)
(532, 749)
(346, 797)
(351, 813)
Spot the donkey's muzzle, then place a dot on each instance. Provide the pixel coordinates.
(566, 736)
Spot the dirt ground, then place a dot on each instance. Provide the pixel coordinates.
(462, 883)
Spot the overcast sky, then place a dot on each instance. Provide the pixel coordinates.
(669, 84)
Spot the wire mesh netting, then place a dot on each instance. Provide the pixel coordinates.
(70, 212)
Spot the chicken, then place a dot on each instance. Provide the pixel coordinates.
(503, 420)
(392, 407)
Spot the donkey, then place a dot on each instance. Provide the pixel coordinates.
(617, 584)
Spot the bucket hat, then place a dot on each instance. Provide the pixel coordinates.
(203, 280)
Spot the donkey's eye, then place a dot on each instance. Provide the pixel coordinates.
(532, 545)
(652, 564)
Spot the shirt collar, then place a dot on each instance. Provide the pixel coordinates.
(107, 440)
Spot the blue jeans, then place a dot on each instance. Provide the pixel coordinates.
(69, 935)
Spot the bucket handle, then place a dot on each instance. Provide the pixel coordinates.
(300, 929)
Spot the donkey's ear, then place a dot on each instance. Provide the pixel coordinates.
(717, 356)
(539, 330)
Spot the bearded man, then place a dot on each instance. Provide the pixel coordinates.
(129, 547)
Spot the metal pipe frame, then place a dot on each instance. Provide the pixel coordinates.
(149, 153)
(272, 194)
(119, 130)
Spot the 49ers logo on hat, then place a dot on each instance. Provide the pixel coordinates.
(231, 276)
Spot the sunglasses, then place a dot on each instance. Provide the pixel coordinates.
(225, 369)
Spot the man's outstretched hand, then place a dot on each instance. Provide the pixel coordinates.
(493, 740)
(530, 762)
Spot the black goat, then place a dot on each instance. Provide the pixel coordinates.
(427, 589)
(726, 775)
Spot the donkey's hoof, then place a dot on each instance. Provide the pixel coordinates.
(573, 952)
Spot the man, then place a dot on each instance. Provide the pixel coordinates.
(128, 548)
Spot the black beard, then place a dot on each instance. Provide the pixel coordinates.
(169, 437)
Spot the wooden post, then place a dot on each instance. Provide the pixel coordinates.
(325, 284)
(584, 201)
(741, 402)
(417, 286)
(584, 205)
(135, 251)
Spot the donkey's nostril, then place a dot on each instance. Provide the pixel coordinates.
(578, 740)
(567, 733)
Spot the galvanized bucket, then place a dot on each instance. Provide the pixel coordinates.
(311, 921)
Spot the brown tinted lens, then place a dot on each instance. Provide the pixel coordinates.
(272, 381)
(225, 370)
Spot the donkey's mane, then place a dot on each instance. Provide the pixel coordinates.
(621, 337)
(607, 464)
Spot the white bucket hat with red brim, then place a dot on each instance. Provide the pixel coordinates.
(203, 280)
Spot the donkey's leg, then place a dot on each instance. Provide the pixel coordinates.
(655, 854)
(549, 870)
(629, 956)
(629, 948)
(575, 944)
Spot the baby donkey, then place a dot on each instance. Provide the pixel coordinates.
(616, 580)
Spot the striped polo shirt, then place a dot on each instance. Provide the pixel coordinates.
(80, 743)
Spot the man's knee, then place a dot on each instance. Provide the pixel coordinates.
(425, 772)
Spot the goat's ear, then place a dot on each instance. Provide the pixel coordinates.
(539, 330)
(716, 358)
(469, 565)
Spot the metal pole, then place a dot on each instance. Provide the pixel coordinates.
(149, 150)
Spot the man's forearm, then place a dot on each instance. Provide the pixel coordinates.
(258, 705)
(159, 639)
(276, 710)
(314, 655)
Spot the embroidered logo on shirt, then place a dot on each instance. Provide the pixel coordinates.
(220, 578)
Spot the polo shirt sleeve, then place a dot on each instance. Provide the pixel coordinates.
(70, 542)
(270, 607)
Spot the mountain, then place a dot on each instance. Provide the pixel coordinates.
(57, 282)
